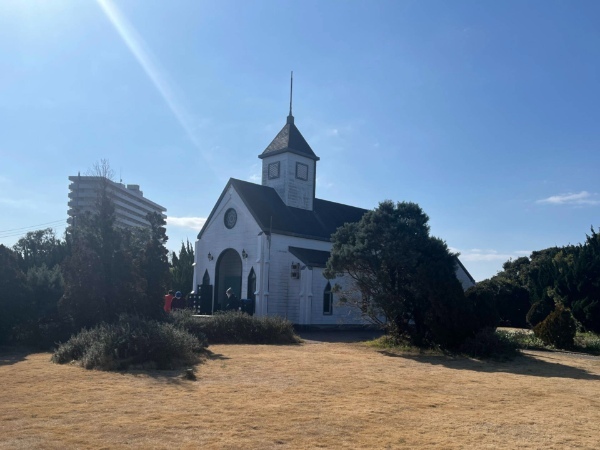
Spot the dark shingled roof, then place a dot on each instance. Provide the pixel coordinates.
(466, 271)
(272, 215)
(289, 139)
(311, 258)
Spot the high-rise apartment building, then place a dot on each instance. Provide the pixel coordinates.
(131, 207)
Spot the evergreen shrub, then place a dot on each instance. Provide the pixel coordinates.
(558, 329)
(234, 327)
(184, 319)
(539, 311)
(487, 343)
(131, 341)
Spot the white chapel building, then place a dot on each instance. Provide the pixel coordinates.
(270, 242)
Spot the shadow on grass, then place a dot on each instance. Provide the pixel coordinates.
(271, 344)
(523, 364)
(176, 376)
(215, 356)
(360, 335)
(172, 377)
(12, 355)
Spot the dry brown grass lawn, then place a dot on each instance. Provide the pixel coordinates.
(314, 395)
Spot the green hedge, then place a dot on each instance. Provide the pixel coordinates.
(234, 327)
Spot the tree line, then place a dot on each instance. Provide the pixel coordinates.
(404, 279)
(529, 289)
(51, 288)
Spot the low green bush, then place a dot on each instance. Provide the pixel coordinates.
(524, 339)
(558, 329)
(588, 343)
(234, 327)
(487, 343)
(184, 319)
(390, 342)
(131, 341)
(584, 342)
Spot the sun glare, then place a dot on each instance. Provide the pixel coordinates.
(142, 54)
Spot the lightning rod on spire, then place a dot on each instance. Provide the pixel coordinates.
(291, 90)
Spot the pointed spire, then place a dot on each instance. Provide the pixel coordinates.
(290, 118)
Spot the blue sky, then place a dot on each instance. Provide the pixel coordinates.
(487, 114)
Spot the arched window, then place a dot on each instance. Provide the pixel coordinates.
(251, 284)
(206, 278)
(328, 300)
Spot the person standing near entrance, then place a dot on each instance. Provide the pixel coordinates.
(232, 302)
(168, 300)
(178, 301)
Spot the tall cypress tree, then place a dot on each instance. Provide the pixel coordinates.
(182, 269)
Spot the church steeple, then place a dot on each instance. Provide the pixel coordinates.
(290, 118)
(290, 165)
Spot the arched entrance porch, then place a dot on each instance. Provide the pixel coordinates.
(228, 274)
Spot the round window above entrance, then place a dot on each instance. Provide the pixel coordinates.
(230, 218)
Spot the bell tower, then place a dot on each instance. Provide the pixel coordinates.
(290, 166)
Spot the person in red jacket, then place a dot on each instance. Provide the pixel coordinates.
(168, 300)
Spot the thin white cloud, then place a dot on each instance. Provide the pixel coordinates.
(477, 254)
(580, 198)
(193, 223)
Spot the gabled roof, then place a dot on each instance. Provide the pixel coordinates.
(311, 258)
(274, 216)
(289, 139)
(465, 270)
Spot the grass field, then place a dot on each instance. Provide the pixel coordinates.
(313, 395)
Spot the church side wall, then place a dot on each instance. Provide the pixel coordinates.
(285, 291)
(283, 297)
(341, 314)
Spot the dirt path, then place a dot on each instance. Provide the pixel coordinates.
(330, 395)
